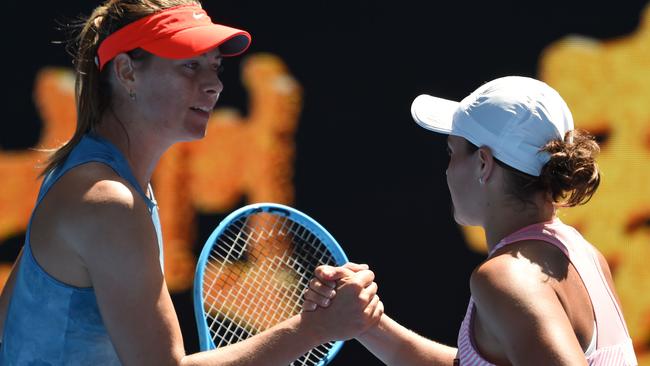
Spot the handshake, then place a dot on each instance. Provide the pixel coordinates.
(342, 302)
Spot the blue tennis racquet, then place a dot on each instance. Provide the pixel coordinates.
(253, 271)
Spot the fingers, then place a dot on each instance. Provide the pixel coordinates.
(354, 267)
(369, 292)
(372, 306)
(352, 309)
(309, 306)
(330, 273)
(319, 293)
(379, 310)
(362, 278)
(376, 311)
(358, 284)
(322, 288)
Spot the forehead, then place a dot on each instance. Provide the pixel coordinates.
(213, 54)
(210, 55)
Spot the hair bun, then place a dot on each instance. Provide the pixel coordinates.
(571, 175)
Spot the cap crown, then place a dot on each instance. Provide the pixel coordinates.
(515, 117)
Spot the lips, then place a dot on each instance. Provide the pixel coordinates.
(202, 111)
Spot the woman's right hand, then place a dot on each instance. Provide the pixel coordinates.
(355, 309)
(322, 288)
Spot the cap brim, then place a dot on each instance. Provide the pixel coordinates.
(195, 41)
(433, 113)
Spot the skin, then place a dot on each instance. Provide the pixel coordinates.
(94, 230)
(531, 305)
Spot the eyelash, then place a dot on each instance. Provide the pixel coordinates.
(194, 65)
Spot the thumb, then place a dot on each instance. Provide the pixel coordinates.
(330, 273)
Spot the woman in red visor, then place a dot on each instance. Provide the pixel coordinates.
(88, 287)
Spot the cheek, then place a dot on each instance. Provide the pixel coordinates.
(165, 91)
(167, 104)
(457, 178)
(452, 172)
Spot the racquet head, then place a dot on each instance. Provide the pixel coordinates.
(253, 271)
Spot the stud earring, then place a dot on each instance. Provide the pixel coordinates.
(480, 180)
(132, 94)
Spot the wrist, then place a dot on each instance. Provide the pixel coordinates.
(374, 331)
(308, 330)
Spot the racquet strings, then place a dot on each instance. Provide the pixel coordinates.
(256, 275)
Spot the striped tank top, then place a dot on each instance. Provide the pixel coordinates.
(613, 343)
(52, 323)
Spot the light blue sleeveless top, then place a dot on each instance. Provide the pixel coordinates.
(49, 322)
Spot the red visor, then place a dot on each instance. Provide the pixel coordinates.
(179, 32)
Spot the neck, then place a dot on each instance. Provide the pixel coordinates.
(141, 149)
(513, 216)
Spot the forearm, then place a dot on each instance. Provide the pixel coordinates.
(396, 345)
(279, 345)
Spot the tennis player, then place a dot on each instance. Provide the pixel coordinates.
(544, 295)
(88, 287)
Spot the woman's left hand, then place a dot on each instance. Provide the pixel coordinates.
(322, 288)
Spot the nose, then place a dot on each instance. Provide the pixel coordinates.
(210, 82)
(213, 86)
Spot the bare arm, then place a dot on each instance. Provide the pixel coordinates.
(396, 345)
(388, 340)
(118, 245)
(517, 305)
(6, 294)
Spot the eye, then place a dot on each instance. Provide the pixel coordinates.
(449, 151)
(192, 65)
(219, 69)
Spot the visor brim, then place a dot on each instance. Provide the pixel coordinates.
(433, 113)
(195, 41)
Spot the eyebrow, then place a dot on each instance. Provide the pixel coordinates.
(218, 57)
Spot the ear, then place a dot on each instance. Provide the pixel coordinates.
(124, 72)
(487, 163)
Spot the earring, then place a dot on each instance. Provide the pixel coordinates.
(132, 94)
(480, 180)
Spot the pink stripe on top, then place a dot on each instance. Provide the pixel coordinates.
(614, 346)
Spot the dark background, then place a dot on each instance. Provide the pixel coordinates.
(363, 169)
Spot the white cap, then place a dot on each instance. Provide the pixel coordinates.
(514, 116)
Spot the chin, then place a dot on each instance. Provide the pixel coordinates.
(189, 137)
(460, 221)
(463, 221)
(195, 132)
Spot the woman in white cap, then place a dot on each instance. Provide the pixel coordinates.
(544, 295)
(88, 287)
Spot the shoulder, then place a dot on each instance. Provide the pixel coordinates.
(96, 206)
(519, 282)
(520, 267)
(95, 188)
(516, 303)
